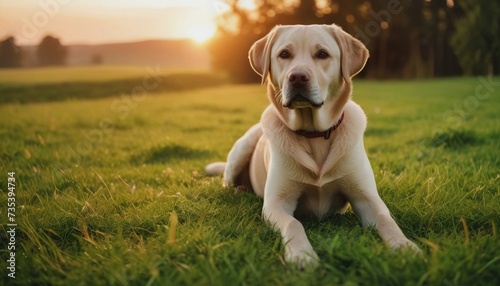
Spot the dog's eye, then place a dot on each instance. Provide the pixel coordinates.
(322, 54)
(285, 54)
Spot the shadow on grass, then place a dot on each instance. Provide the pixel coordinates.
(23, 94)
(168, 153)
(215, 109)
(453, 139)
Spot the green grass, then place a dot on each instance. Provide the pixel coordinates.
(51, 75)
(68, 84)
(101, 181)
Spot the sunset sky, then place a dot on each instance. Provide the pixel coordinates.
(108, 21)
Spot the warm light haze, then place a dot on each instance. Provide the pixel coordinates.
(108, 21)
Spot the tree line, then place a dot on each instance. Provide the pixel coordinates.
(406, 38)
(50, 52)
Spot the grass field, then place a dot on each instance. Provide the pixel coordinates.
(111, 191)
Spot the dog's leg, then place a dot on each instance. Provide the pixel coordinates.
(367, 203)
(280, 201)
(240, 155)
(374, 212)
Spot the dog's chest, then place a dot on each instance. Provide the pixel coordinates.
(319, 150)
(325, 155)
(321, 193)
(321, 201)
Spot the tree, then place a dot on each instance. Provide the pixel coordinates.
(96, 59)
(229, 49)
(10, 53)
(51, 52)
(475, 41)
(406, 38)
(239, 28)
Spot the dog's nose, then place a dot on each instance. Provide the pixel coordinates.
(298, 78)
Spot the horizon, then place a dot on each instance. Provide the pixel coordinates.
(133, 41)
(95, 22)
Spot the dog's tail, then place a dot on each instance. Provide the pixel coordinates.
(215, 169)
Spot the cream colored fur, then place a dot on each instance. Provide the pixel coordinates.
(308, 176)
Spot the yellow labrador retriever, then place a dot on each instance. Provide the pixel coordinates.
(306, 156)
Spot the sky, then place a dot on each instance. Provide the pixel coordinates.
(108, 21)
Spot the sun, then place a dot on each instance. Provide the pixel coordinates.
(201, 34)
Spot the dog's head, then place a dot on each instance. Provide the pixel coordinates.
(307, 66)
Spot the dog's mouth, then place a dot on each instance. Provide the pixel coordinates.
(300, 101)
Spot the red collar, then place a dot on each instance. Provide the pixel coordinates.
(325, 134)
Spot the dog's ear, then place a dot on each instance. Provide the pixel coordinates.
(260, 54)
(353, 53)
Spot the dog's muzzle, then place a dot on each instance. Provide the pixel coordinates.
(298, 91)
(300, 101)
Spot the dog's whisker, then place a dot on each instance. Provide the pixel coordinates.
(279, 95)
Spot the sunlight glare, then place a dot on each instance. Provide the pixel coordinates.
(202, 34)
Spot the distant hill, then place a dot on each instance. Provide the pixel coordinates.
(167, 53)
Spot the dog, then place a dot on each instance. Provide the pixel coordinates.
(306, 157)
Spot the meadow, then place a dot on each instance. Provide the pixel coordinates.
(110, 187)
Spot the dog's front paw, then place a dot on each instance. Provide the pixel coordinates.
(303, 259)
(227, 183)
(228, 180)
(404, 244)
